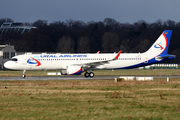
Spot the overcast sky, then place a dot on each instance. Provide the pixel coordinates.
(90, 10)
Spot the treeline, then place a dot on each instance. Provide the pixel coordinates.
(107, 36)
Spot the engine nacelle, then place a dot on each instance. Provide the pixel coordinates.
(63, 72)
(74, 70)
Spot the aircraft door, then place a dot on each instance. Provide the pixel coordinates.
(138, 58)
(145, 58)
(24, 60)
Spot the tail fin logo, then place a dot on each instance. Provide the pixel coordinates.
(158, 45)
(33, 60)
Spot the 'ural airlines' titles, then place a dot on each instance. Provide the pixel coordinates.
(61, 56)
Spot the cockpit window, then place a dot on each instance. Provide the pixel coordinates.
(14, 59)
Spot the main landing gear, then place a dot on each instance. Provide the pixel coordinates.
(24, 74)
(91, 74)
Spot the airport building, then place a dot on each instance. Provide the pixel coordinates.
(6, 53)
(14, 28)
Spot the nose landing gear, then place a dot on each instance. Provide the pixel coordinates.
(24, 74)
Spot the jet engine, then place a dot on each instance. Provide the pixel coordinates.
(72, 70)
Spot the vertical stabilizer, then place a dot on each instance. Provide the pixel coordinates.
(161, 44)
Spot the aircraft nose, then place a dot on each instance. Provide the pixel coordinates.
(7, 65)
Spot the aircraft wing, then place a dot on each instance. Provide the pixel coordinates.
(97, 63)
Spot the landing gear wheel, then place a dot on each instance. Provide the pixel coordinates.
(23, 76)
(86, 74)
(91, 74)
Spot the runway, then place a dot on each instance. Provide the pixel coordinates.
(80, 77)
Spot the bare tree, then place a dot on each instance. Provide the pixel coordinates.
(83, 45)
(40, 23)
(110, 21)
(65, 44)
(177, 53)
(110, 42)
(143, 45)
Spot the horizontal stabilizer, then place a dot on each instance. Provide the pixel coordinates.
(164, 56)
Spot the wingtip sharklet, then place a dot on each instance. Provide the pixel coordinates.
(117, 56)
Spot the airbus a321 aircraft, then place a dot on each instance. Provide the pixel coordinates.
(75, 64)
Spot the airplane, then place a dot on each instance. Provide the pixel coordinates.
(75, 64)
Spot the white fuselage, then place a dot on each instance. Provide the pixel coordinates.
(61, 61)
